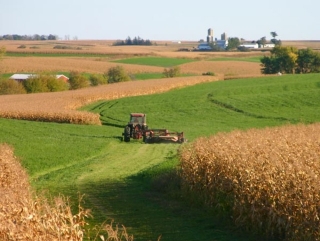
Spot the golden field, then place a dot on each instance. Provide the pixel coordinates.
(268, 179)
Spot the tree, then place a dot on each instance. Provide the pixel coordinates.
(10, 87)
(273, 34)
(117, 74)
(274, 40)
(262, 41)
(270, 65)
(35, 85)
(308, 61)
(77, 80)
(54, 84)
(233, 43)
(282, 59)
(96, 79)
(172, 72)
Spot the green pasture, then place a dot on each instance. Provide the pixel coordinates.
(134, 183)
(155, 61)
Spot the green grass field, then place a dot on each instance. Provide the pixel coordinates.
(132, 183)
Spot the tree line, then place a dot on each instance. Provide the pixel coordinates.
(291, 60)
(134, 41)
(47, 82)
(28, 37)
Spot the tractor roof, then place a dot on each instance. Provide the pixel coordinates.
(138, 114)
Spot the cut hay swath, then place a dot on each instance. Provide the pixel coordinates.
(268, 179)
(61, 106)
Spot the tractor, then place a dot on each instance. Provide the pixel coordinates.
(137, 128)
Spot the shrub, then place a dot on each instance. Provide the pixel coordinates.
(44, 82)
(55, 85)
(35, 85)
(172, 72)
(22, 46)
(97, 79)
(117, 74)
(9, 87)
(209, 73)
(77, 80)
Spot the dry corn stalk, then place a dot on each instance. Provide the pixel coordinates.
(268, 178)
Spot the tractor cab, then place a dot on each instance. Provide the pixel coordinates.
(138, 118)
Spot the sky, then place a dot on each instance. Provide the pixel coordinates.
(174, 20)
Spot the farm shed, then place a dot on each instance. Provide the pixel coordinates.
(222, 43)
(23, 77)
(269, 45)
(204, 46)
(250, 45)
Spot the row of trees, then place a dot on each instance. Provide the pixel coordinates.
(28, 37)
(135, 41)
(291, 60)
(46, 82)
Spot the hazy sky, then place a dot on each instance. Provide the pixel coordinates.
(162, 20)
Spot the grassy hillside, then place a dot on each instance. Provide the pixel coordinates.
(125, 181)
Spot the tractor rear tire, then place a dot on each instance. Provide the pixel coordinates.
(127, 134)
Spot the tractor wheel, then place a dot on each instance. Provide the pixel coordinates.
(127, 134)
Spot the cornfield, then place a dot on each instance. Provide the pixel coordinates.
(61, 106)
(29, 217)
(267, 179)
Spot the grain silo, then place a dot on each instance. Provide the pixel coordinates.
(224, 36)
(210, 35)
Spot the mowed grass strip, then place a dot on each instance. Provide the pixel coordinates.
(155, 61)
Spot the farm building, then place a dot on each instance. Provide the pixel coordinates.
(250, 45)
(222, 43)
(204, 46)
(269, 45)
(23, 77)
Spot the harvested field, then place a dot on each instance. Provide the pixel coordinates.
(226, 68)
(102, 64)
(89, 65)
(98, 65)
(61, 106)
(268, 179)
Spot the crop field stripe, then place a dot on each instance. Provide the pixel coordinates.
(243, 59)
(155, 61)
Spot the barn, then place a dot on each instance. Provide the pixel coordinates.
(23, 77)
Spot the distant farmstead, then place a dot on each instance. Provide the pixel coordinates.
(23, 77)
